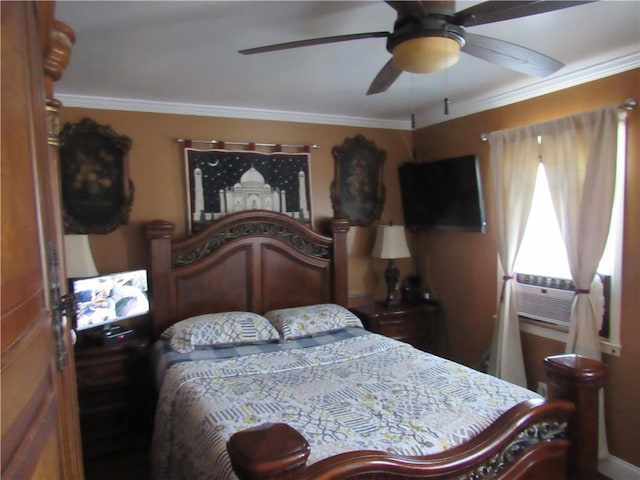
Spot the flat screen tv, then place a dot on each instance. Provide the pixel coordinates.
(443, 195)
(105, 299)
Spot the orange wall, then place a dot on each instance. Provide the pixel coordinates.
(462, 266)
(157, 171)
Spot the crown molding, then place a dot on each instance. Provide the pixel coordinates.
(499, 98)
(126, 104)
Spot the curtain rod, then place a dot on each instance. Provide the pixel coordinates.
(247, 144)
(628, 105)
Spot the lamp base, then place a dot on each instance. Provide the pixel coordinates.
(391, 275)
(392, 302)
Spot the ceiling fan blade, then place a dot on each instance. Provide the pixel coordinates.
(420, 9)
(499, 10)
(313, 41)
(385, 78)
(509, 55)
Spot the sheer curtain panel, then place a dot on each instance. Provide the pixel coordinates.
(579, 155)
(514, 162)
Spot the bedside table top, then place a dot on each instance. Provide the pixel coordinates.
(381, 308)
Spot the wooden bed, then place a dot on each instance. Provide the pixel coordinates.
(259, 261)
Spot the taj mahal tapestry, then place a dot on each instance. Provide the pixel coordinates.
(220, 182)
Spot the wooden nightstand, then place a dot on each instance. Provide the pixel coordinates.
(416, 323)
(113, 396)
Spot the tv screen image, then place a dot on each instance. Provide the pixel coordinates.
(443, 195)
(105, 299)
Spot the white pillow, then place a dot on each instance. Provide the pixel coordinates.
(219, 330)
(305, 321)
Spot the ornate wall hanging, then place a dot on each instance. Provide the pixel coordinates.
(357, 192)
(97, 194)
(220, 182)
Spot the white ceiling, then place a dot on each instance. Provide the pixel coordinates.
(181, 57)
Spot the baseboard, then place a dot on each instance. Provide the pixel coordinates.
(617, 469)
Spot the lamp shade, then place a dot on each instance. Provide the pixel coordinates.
(391, 242)
(426, 54)
(77, 255)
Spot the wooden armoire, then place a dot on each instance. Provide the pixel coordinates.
(40, 427)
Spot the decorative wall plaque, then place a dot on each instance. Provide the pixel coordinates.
(97, 194)
(357, 192)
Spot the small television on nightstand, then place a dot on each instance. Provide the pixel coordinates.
(104, 300)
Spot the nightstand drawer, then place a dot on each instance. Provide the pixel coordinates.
(108, 394)
(402, 328)
(113, 381)
(104, 420)
(106, 432)
(414, 323)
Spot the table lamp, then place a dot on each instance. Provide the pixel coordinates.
(391, 243)
(78, 258)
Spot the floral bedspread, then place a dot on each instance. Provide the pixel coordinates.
(366, 392)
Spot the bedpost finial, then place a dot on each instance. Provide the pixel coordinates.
(159, 229)
(340, 225)
(577, 369)
(267, 450)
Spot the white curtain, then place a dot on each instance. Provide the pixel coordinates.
(514, 163)
(579, 155)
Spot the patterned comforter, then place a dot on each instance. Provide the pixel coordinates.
(349, 391)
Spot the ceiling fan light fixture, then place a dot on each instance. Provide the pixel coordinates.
(426, 54)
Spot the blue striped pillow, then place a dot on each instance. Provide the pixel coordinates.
(219, 330)
(312, 319)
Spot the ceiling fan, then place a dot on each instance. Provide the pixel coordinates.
(429, 35)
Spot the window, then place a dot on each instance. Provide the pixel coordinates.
(542, 254)
(542, 251)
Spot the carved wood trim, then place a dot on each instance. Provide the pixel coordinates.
(253, 229)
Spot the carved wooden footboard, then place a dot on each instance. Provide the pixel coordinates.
(538, 439)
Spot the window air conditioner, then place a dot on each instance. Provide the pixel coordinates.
(544, 298)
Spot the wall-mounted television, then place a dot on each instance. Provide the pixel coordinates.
(105, 299)
(443, 195)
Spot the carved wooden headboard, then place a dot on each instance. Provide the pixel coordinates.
(247, 261)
